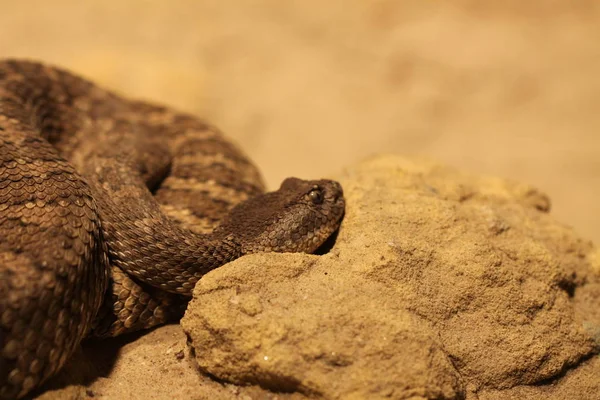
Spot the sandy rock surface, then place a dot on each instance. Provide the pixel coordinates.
(506, 88)
(154, 365)
(439, 285)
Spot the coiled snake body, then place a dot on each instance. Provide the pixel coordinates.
(112, 209)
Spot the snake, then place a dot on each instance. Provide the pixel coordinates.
(111, 209)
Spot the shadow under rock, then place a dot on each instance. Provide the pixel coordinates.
(94, 359)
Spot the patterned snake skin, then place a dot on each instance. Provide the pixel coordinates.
(112, 209)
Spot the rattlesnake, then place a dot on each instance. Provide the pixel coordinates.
(107, 211)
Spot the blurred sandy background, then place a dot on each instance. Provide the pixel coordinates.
(509, 88)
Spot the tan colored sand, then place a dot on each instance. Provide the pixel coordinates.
(154, 366)
(508, 88)
(440, 285)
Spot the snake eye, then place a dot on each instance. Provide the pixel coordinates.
(316, 196)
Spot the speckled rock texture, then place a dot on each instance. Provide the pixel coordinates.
(440, 285)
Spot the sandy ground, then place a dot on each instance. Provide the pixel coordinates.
(464, 289)
(307, 87)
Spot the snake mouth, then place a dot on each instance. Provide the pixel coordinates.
(330, 233)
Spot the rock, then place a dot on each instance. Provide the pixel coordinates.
(579, 383)
(152, 365)
(440, 285)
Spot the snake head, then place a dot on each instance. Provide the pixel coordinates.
(298, 217)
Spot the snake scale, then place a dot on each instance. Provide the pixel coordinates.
(111, 209)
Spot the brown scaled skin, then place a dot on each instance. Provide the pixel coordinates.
(298, 217)
(112, 209)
